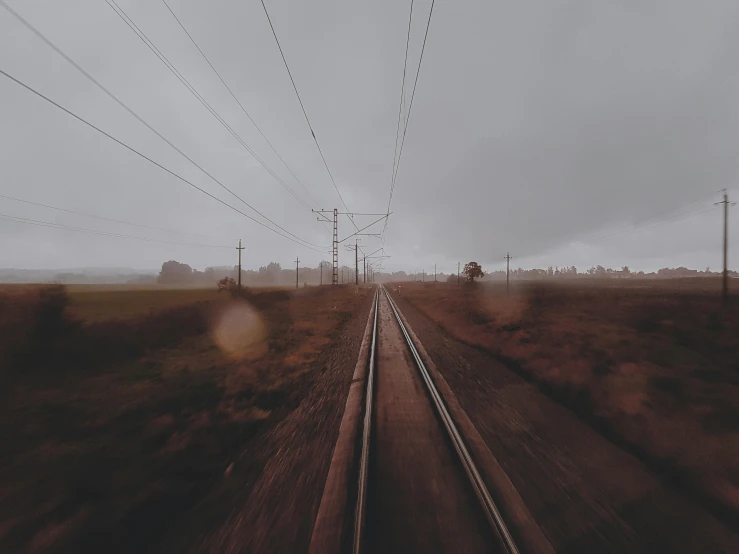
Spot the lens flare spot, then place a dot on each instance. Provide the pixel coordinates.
(240, 332)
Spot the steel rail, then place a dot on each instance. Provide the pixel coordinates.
(491, 510)
(366, 432)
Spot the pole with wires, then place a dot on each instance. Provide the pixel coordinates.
(725, 284)
(335, 274)
(297, 261)
(507, 272)
(239, 248)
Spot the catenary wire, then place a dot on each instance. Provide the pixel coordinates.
(325, 163)
(402, 93)
(30, 27)
(363, 228)
(408, 115)
(145, 39)
(39, 223)
(130, 148)
(105, 218)
(246, 113)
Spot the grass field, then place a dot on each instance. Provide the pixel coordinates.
(91, 303)
(656, 363)
(123, 409)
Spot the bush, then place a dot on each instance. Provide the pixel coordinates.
(32, 322)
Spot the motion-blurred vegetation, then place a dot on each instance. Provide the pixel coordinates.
(655, 365)
(121, 414)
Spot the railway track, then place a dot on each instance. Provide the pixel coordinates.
(413, 485)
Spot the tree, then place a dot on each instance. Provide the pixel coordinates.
(174, 273)
(472, 271)
(227, 283)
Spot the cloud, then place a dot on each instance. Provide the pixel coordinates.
(534, 125)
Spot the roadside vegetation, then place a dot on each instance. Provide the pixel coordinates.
(123, 410)
(655, 365)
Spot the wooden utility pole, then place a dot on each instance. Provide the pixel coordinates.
(297, 261)
(356, 261)
(365, 269)
(725, 287)
(239, 248)
(423, 276)
(434, 273)
(342, 275)
(457, 273)
(320, 264)
(507, 272)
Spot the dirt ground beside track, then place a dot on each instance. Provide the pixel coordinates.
(586, 493)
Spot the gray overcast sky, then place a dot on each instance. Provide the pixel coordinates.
(544, 128)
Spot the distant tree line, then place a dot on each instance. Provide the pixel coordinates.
(601, 272)
(556, 272)
(176, 273)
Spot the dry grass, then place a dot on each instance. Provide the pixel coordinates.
(115, 427)
(93, 303)
(96, 304)
(657, 363)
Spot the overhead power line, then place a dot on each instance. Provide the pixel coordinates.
(646, 223)
(238, 101)
(307, 120)
(103, 218)
(673, 219)
(402, 93)
(364, 228)
(150, 160)
(408, 115)
(654, 220)
(661, 214)
(145, 39)
(36, 222)
(92, 79)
